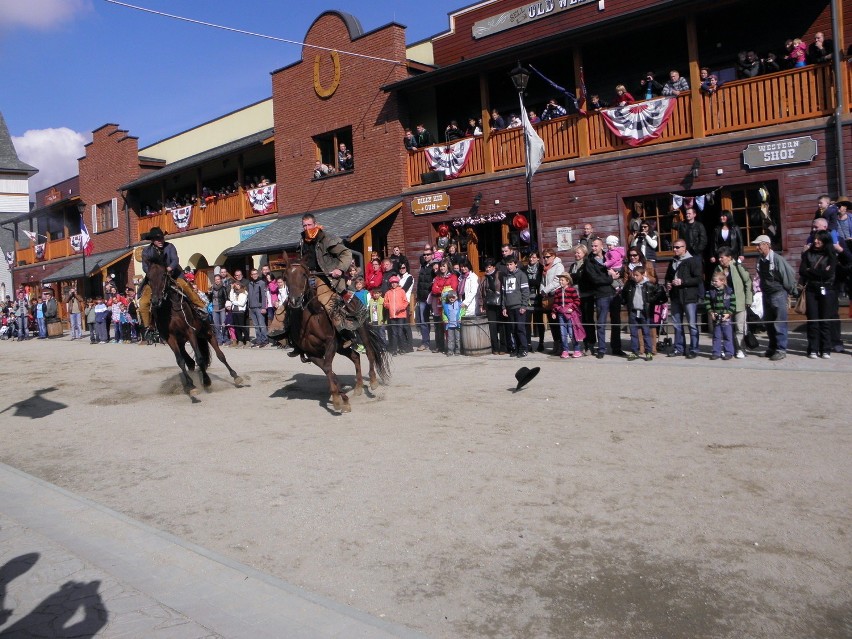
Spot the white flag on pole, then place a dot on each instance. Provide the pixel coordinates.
(534, 144)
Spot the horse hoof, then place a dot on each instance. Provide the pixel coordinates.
(346, 408)
(338, 404)
(238, 381)
(359, 390)
(374, 385)
(193, 391)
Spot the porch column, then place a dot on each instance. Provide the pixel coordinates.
(485, 100)
(582, 123)
(697, 104)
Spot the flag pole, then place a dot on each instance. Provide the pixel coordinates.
(520, 77)
(81, 207)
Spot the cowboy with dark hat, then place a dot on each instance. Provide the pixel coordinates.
(164, 253)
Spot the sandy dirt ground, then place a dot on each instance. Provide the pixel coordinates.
(607, 499)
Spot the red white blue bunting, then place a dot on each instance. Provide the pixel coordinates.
(637, 123)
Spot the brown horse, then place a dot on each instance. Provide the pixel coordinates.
(311, 332)
(175, 320)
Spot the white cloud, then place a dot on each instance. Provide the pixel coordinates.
(53, 152)
(39, 14)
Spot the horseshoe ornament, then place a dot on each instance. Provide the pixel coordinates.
(321, 91)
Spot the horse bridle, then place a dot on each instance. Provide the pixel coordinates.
(301, 300)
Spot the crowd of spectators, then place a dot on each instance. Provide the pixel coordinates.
(207, 195)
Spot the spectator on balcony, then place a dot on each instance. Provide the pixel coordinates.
(514, 122)
(676, 84)
(820, 49)
(770, 64)
(497, 122)
(553, 110)
(534, 119)
(322, 170)
(711, 86)
(622, 96)
(423, 137)
(797, 53)
(344, 158)
(649, 87)
(409, 141)
(473, 128)
(596, 104)
(748, 65)
(453, 132)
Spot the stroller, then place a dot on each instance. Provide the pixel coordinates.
(664, 341)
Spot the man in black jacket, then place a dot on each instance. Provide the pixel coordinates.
(693, 233)
(423, 311)
(683, 279)
(598, 277)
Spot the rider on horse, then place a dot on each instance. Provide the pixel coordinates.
(328, 259)
(165, 253)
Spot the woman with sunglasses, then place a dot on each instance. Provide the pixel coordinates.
(646, 241)
(552, 269)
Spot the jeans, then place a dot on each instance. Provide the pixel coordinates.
(602, 305)
(615, 324)
(685, 312)
(775, 317)
(453, 341)
(219, 325)
(723, 337)
(421, 317)
(496, 329)
(396, 326)
(566, 333)
(76, 326)
(639, 322)
(42, 327)
(258, 318)
(23, 331)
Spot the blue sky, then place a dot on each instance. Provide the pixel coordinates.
(69, 66)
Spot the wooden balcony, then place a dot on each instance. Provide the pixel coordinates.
(222, 210)
(768, 100)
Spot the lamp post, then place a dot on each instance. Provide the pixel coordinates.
(81, 207)
(520, 77)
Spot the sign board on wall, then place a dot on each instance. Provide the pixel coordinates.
(247, 231)
(522, 15)
(780, 152)
(433, 203)
(564, 238)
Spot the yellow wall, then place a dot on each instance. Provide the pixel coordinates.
(421, 52)
(228, 128)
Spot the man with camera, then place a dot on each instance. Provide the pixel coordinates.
(553, 110)
(649, 86)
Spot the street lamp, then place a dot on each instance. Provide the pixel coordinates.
(520, 77)
(81, 208)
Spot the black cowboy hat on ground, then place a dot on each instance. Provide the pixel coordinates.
(155, 233)
(525, 376)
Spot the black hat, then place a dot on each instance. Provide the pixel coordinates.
(155, 233)
(525, 376)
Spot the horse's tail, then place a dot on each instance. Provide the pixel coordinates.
(379, 350)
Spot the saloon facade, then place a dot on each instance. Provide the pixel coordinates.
(763, 147)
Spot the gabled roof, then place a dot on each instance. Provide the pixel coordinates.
(255, 139)
(344, 221)
(9, 161)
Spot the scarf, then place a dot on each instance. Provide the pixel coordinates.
(311, 234)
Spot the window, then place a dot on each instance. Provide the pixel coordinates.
(753, 212)
(328, 148)
(105, 216)
(656, 209)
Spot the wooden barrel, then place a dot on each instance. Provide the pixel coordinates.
(54, 329)
(475, 336)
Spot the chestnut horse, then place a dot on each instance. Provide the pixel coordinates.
(175, 320)
(311, 332)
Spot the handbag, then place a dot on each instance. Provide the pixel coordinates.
(546, 303)
(801, 305)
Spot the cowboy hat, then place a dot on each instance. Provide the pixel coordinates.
(155, 233)
(845, 200)
(525, 376)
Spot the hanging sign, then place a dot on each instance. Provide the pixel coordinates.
(433, 203)
(780, 152)
(522, 15)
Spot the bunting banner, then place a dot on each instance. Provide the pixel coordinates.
(33, 237)
(262, 199)
(39, 251)
(640, 122)
(76, 243)
(181, 216)
(450, 158)
(10, 258)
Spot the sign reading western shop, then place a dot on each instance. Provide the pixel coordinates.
(522, 15)
(434, 203)
(780, 152)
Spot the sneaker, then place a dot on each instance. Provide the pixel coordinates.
(649, 357)
(422, 347)
(522, 354)
(726, 357)
(826, 355)
(740, 355)
(691, 355)
(769, 354)
(599, 355)
(813, 356)
(674, 354)
(632, 357)
(565, 355)
(578, 354)
(777, 356)
(714, 357)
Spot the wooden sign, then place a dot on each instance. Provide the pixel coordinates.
(433, 203)
(780, 152)
(523, 15)
(52, 196)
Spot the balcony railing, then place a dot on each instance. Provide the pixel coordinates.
(221, 210)
(778, 98)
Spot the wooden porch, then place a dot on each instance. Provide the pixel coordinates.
(768, 100)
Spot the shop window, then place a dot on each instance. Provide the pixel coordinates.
(328, 145)
(105, 216)
(656, 209)
(754, 213)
